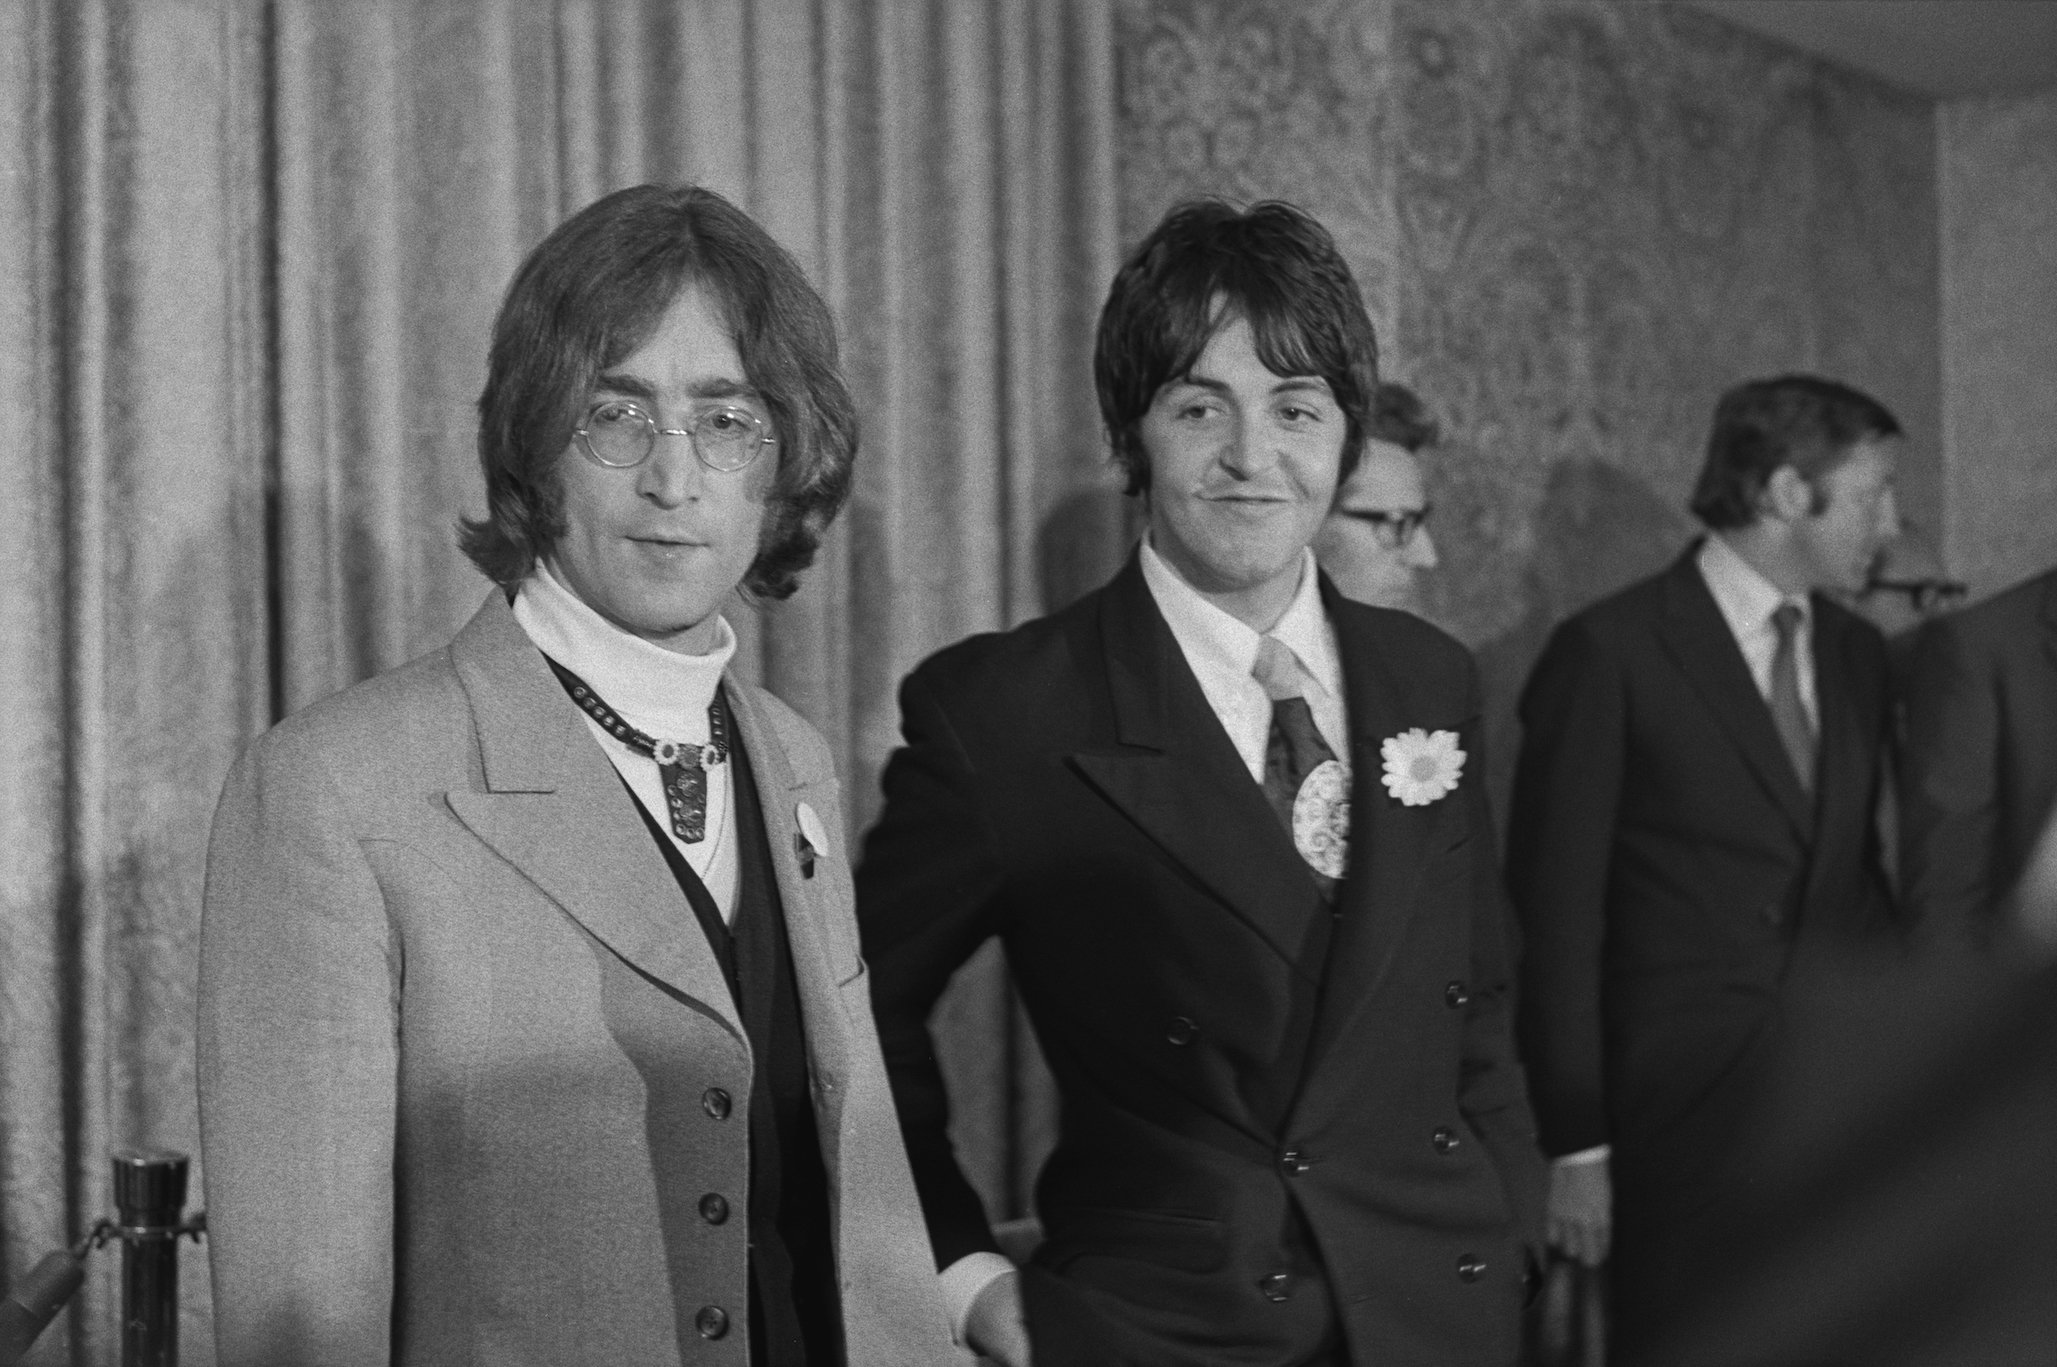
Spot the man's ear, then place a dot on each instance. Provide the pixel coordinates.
(1786, 496)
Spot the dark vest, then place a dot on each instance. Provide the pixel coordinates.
(795, 1314)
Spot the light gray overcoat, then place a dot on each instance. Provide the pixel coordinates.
(459, 1031)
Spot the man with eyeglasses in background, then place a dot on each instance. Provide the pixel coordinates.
(1905, 587)
(1375, 542)
(532, 1022)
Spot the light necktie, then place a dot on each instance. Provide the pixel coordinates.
(1293, 751)
(1788, 714)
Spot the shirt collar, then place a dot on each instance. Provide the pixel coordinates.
(654, 689)
(1210, 635)
(1746, 598)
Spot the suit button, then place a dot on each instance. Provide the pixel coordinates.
(714, 1208)
(1276, 1287)
(712, 1321)
(1445, 1139)
(1471, 1267)
(1182, 1030)
(1773, 915)
(1295, 1162)
(715, 1102)
(1455, 996)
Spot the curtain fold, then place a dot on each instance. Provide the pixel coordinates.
(249, 255)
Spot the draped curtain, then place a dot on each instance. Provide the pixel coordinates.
(249, 254)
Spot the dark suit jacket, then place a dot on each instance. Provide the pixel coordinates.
(1665, 862)
(1066, 787)
(1979, 771)
(1901, 1205)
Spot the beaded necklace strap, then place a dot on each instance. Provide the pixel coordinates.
(682, 765)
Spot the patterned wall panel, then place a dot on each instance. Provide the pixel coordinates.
(2000, 336)
(1584, 220)
(1254, 99)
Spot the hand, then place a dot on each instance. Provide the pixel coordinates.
(996, 1327)
(1579, 1218)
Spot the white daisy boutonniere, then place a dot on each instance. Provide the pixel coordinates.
(1422, 766)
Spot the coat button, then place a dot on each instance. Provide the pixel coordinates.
(714, 1208)
(715, 1102)
(1774, 915)
(1455, 996)
(1445, 1139)
(712, 1321)
(1295, 1162)
(1181, 1030)
(1276, 1287)
(1471, 1267)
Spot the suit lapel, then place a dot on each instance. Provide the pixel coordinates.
(808, 900)
(1179, 778)
(781, 792)
(1844, 774)
(1389, 841)
(1699, 639)
(550, 803)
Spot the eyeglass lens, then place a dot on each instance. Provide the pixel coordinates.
(623, 435)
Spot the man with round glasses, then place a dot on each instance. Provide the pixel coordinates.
(532, 1021)
(1375, 542)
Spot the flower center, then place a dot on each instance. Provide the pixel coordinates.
(1422, 769)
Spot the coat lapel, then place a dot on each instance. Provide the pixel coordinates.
(1179, 778)
(550, 803)
(1389, 841)
(1847, 761)
(813, 896)
(1699, 639)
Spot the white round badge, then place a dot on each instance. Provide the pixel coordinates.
(1321, 818)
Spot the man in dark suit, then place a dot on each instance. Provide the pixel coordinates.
(1692, 803)
(1229, 826)
(1979, 770)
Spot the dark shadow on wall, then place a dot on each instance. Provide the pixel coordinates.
(1599, 529)
(1083, 542)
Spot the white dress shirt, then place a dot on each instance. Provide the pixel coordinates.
(1747, 600)
(659, 692)
(1221, 651)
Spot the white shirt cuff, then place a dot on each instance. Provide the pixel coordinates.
(1599, 1153)
(962, 1282)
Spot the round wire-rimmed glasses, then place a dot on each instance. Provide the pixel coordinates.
(621, 436)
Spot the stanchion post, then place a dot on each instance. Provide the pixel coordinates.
(150, 1201)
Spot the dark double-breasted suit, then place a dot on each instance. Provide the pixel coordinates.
(1978, 776)
(1276, 1128)
(1667, 866)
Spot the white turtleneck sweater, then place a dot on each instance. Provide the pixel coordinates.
(659, 692)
